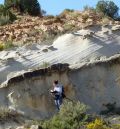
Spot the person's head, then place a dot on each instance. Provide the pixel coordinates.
(55, 82)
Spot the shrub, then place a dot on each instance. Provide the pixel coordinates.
(105, 21)
(6, 16)
(32, 7)
(66, 12)
(85, 17)
(69, 10)
(98, 124)
(87, 8)
(117, 126)
(48, 17)
(4, 20)
(108, 8)
(45, 64)
(68, 27)
(71, 116)
(6, 114)
(6, 45)
(1, 46)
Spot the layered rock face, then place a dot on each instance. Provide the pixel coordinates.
(95, 84)
(86, 62)
(96, 43)
(30, 92)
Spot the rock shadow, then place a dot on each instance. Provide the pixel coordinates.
(111, 109)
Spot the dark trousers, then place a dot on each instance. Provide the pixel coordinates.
(58, 101)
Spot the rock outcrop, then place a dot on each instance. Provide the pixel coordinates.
(88, 68)
(94, 84)
(96, 43)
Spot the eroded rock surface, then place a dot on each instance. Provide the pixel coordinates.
(96, 43)
(87, 67)
(93, 84)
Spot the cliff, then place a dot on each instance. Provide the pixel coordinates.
(86, 62)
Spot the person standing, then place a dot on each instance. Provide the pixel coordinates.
(57, 92)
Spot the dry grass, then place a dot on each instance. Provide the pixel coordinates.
(8, 114)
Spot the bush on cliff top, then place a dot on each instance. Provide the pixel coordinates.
(108, 8)
(6, 45)
(6, 16)
(32, 7)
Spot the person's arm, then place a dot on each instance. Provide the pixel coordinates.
(54, 91)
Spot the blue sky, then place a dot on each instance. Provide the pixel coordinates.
(56, 6)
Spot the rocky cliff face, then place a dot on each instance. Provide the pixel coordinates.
(94, 84)
(86, 62)
(96, 43)
(30, 92)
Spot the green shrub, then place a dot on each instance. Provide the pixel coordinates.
(45, 64)
(32, 7)
(6, 45)
(69, 27)
(75, 15)
(98, 124)
(49, 17)
(4, 20)
(117, 126)
(49, 36)
(66, 12)
(1, 46)
(87, 8)
(71, 116)
(6, 114)
(108, 8)
(6, 16)
(69, 10)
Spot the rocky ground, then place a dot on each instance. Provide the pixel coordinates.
(28, 29)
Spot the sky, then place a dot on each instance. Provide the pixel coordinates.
(55, 7)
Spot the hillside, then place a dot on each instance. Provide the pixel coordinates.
(80, 49)
(27, 29)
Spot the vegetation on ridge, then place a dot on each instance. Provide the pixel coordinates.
(32, 7)
(108, 8)
(29, 29)
(6, 16)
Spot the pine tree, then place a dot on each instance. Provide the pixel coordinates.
(108, 8)
(32, 7)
